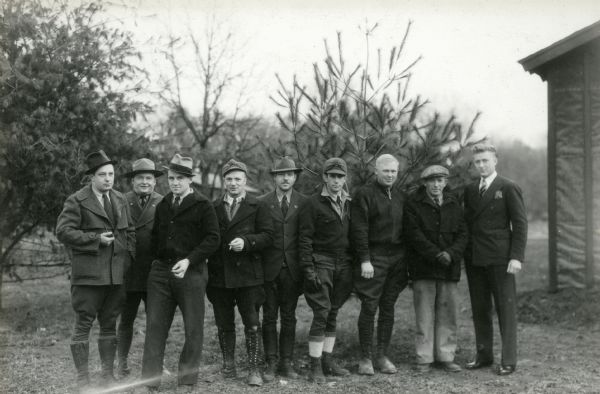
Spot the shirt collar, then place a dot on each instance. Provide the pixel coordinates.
(98, 194)
(229, 200)
(343, 194)
(181, 197)
(280, 195)
(489, 179)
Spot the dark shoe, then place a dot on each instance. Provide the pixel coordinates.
(254, 378)
(123, 346)
(80, 352)
(450, 366)
(365, 367)
(270, 370)
(107, 348)
(384, 365)
(504, 370)
(478, 363)
(286, 369)
(331, 367)
(423, 368)
(227, 344)
(316, 371)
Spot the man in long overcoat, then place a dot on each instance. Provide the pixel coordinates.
(95, 227)
(142, 205)
(283, 276)
(236, 275)
(497, 222)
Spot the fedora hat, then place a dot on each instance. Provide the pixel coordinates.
(285, 164)
(143, 166)
(181, 165)
(96, 160)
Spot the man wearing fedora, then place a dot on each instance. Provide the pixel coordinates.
(326, 261)
(236, 275)
(381, 273)
(185, 233)
(95, 227)
(283, 276)
(142, 205)
(437, 235)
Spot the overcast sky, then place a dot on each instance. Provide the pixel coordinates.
(470, 48)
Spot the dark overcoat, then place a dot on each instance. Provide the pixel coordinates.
(431, 229)
(79, 226)
(252, 222)
(143, 220)
(285, 237)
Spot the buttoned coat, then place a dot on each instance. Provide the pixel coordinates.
(79, 226)
(497, 223)
(285, 236)
(143, 220)
(252, 222)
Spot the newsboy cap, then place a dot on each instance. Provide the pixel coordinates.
(96, 160)
(181, 165)
(234, 165)
(435, 171)
(335, 165)
(285, 164)
(143, 166)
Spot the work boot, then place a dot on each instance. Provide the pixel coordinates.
(254, 378)
(316, 371)
(286, 369)
(80, 352)
(384, 336)
(123, 347)
(107, 348)
(270, 370)
(365, 367)
(227, 344)
(331, 367)
(384, 365)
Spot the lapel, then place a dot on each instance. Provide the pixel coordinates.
(275, 208)
(293, 209)
(117, 204)
(147, 213)
(187, 202)
(90, 202)
(488, 196)
(245, 209)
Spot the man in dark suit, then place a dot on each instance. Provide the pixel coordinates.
(236, 274)
(142, 205)
(497, 222)
(185, 233)
(95, 227)
(283, 277)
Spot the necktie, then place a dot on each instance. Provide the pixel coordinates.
(108, 207)
(176, 203)
(389, 193)
(482, 188)
(340, 206)
(284, 205)
(438, 201)
(143, 200)
(232, 208)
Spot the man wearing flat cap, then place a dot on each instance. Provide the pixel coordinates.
(437, 237)
(185, 233)
(142, 205)
(236, 274)
(381, 272)
(326, 261)
(95, 227)
(283, 277)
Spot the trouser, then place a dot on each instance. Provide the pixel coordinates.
(248, 300)
(91, 302)
(128, 315)
(379, 292)
(436, 312)
(335, 274)
(165, 293)
(281, 296)
(484, 283)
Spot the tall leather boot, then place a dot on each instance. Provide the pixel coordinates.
(365, 338)
(287, 338)
(80, 352)
(384, 336)
(254, 378)
(269, 338)
(227, 344)
(123, 346)
(107, 348)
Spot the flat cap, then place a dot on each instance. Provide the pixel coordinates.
(233, 165)
(335, 165)
(434, 172)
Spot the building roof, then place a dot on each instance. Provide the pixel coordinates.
(533, 62)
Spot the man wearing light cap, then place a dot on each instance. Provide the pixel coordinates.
(381, 272)
(185, 233)
(142, 205)
(236, 275)
(437, 237)
(326, 260)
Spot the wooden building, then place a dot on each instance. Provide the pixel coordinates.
(571, 67)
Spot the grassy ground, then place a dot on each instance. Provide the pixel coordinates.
(559, 339)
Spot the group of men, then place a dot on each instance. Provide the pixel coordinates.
(264, 253)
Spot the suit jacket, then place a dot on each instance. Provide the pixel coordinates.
(252, 222)
(497, 223)
(79, 226)
(143, 220)
(285, 236)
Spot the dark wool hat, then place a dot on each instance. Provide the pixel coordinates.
(335, 165)
(96, 160)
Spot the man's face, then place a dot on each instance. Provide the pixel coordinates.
(485, 163)
(235, 182)
(143, 183)
(284, 181)
(387, 173)
(179, 184)
(435, 186)
(104, 178)
(334, 182)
